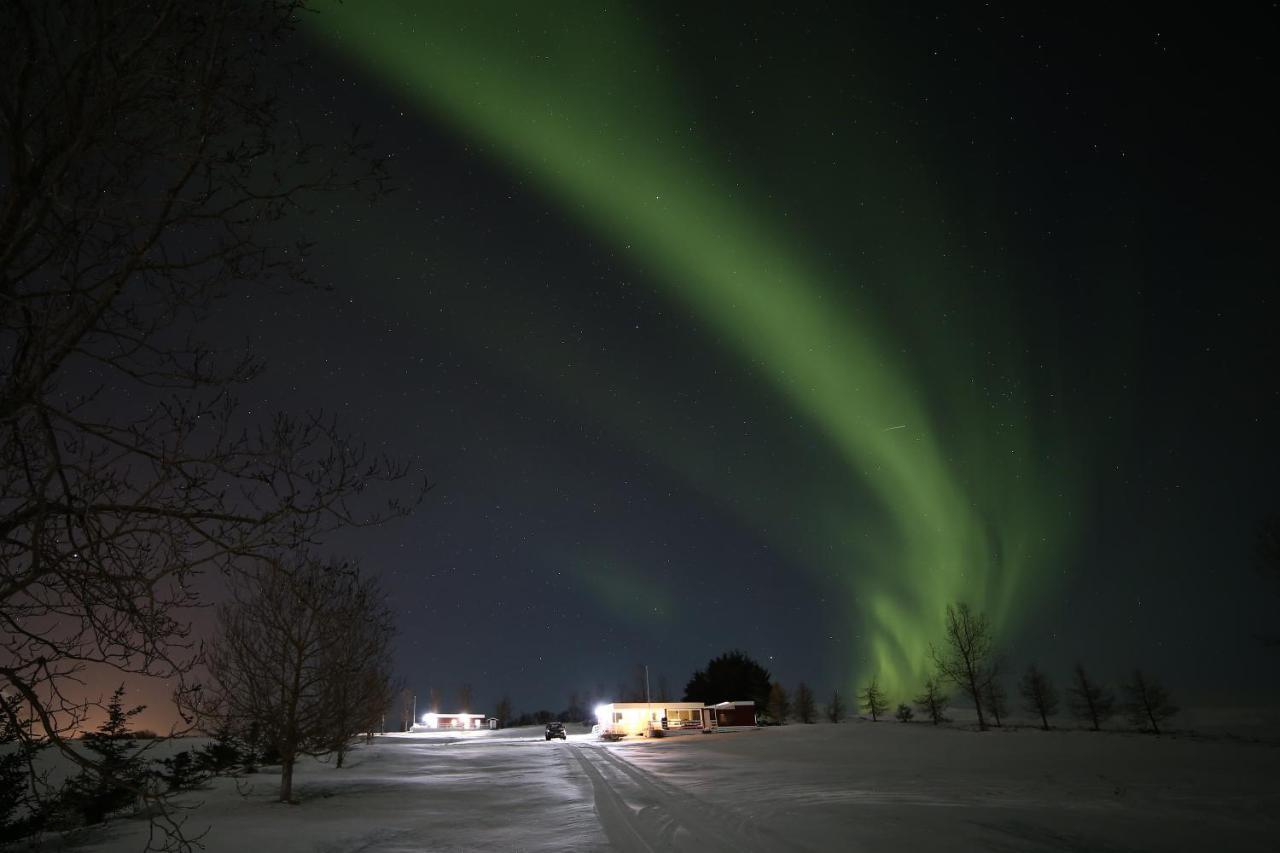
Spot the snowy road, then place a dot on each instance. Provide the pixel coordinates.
(640, 812)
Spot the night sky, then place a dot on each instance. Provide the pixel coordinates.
(780, 329)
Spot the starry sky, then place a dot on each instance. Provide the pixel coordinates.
(781, 328)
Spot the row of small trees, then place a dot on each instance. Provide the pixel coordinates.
(119, 777)
(967, 661)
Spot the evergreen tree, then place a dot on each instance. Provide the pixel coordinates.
(905, 714)
(1089, 701)
(179, 772)
(835, 708)
(118, 775)
(1038, 695)
(873, 700)
(933, 702)
(19, 812)
(729, 677)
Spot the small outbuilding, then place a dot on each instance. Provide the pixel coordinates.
(740, 714)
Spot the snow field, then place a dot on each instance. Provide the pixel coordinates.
(857, 787)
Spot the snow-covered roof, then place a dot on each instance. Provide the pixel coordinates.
(658, 705)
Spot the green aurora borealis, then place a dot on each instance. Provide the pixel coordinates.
(967, 497)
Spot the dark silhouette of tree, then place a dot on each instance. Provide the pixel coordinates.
(464, 698)
(21, 813)
(873, 700)
(1090, 701)
(270, 658)
(146, 167)
(779, 704)
(731, 676)
(835, 708)
(1266, 548)
(905, 714)
(406, 709)
(966, 659)
(358, 684)
(806, 709)
(1038, 695)
(995, 698)
(933, 702)
(1266, 555)
(1147, 703)
(117, 778)
(503, 712)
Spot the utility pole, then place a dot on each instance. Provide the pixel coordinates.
(647, 700)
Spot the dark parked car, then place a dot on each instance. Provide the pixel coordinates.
(555, 730)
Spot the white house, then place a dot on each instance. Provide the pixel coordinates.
(638, 718)
(642, 718)
(445, 722)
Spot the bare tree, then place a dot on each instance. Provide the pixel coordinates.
(126, 464)
(503, 712)
(406, 709)
(276, 641)
(933, 702)
(1090, 701)
(779, 703)
(966, 659)
(1147, 702)
(873, 700)
(1038, 695)
(805, 708)
(358, 669)
(835, 708)
(994, 696)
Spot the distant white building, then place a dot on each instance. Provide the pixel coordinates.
(444, 722)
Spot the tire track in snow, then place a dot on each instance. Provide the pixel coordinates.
(640, 812)
(616, 817)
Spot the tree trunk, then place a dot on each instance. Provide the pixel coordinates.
(1044, 720)
(286, 779)
(977, 701)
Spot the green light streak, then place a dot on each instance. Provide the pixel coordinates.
(582, 108)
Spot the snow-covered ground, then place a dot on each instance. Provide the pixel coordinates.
(857, 786)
